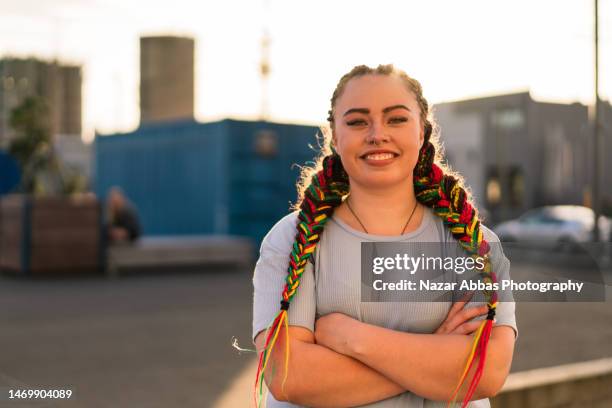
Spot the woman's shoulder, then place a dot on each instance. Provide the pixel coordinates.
(494, 242)
(282, 234)
(488, 234)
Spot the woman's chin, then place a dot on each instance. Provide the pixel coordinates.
(383, 181)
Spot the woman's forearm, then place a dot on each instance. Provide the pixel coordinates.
(320, 377)
(430, 365)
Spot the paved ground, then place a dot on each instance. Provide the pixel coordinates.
(164, 339)
(159, 340)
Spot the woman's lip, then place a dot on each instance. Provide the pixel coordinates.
(379, 162)
(379, 152)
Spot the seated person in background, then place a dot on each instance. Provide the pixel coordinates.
(123, 224)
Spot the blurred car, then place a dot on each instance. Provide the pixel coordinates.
(560, 226)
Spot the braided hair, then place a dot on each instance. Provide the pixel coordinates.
(322, 188)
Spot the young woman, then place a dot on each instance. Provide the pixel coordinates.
(379, 178)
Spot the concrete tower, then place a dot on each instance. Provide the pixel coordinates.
(166, 78)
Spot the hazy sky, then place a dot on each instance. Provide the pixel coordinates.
(457, 49)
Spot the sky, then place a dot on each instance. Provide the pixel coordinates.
(456, 49)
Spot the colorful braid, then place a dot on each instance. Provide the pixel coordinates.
(327, 188)
(449, 201)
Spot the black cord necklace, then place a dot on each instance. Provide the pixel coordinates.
(364, 228)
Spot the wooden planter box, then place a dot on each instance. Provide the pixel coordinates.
(41, 235)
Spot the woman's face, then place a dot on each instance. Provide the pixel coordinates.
(377, 130)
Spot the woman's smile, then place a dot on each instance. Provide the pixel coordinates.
(379, 158)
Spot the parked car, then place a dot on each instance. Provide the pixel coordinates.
(562, 226)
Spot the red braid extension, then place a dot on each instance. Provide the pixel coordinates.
(328, 187)
(449, 201)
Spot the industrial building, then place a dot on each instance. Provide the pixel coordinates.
(59, 85)
(517, 153)
(166, 78)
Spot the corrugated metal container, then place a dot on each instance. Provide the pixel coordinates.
(227, 177)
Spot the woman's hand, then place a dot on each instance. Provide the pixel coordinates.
(458, 318)
(334, 331)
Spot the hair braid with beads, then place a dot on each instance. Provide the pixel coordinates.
(322, 188)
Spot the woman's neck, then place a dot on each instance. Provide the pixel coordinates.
(381, 211)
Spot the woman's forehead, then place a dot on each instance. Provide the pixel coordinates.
(374, 92)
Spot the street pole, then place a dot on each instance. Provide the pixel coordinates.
(596, 135)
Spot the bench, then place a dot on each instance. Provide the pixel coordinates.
(180, 251)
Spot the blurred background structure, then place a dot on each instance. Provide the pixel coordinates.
(518, 153)
(166, 78)
(226, 177)
(59, 84)
(202, 114)
(31, 86)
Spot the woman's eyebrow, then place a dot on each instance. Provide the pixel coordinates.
(390, 108)
(356, 110)
(366, 110)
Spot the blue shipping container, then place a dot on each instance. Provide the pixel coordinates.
(226, 177)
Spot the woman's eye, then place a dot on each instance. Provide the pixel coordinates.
(398, 120)
(356, 122)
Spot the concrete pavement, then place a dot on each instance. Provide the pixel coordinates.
(164, 339)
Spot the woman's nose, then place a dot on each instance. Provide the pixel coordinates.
(377, 134)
